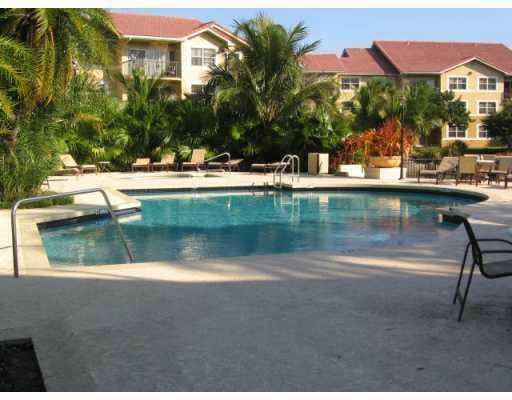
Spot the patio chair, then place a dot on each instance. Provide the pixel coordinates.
(70, 165)
(266, 167)
(488, 269)
(196, 160)
(231, 165)
(502, 170)
(166, 162)
(141, 163)
(448, 165)
(467, 169)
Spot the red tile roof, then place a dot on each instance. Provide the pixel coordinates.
(435, 57)
(316, 62)
(164, 26)
(365, 62)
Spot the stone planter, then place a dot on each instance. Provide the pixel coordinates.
(385, 162)
(351, 170)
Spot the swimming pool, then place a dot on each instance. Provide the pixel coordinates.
(191, 226)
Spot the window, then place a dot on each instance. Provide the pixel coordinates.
(486, 107)
(487, 83)
(349, 83)
(482, 131)
(203, 57)
(196, 89)
(457, 83)
(456, 131)
(136, 54)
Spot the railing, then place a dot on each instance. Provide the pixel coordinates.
(219, 156)
(55, 196)
(413, 165)
(153, 68)
(288, 159)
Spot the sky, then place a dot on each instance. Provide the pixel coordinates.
(341, 28)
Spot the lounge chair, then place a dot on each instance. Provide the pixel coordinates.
(467, 170)
(231, 165)
(141, 163)
(490, 270)
(448, 165)
(502, 170)
(267, 167)
(196, 160)
(166, 162)
(70, 165)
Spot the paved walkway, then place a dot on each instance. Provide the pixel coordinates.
(379, 319)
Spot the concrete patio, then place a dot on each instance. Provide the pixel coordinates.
(378, 319)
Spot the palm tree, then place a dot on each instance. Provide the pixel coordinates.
(62, 39)
(369, 104)
(265, 86)
(15, 74)
(145, 112)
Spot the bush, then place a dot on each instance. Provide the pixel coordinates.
(27, 159)
(457, 148)
(41, 204)
(432, 152)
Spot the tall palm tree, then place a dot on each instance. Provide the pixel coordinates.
(62, 39)
(265, 85)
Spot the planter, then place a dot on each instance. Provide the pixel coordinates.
(385, 162)
(351, 170)
(386, 174)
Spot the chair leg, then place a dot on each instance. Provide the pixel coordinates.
(462, 266)
(466, 291)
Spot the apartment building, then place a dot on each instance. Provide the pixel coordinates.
(480, 74)
(178, 50)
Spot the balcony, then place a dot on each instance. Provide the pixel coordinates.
(153, 68)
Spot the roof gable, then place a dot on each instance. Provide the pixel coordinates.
(165, 27)
(365, 62)
(436, 57)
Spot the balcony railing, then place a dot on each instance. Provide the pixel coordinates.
(153, 68)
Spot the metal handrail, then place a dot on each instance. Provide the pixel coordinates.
(56, 196)
(285, 161)
(218, 156)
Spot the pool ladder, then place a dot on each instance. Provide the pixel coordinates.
(288, 159)
(56, 196)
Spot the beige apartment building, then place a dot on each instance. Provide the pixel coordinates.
(178, 50)
(480, 74)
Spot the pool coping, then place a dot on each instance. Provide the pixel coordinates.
(33, 257)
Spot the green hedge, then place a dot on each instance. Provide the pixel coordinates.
(437, 152)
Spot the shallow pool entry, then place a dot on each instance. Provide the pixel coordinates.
(192, 226)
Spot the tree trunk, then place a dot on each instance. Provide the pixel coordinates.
(401, 153)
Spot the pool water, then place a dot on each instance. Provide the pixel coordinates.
(204, 225)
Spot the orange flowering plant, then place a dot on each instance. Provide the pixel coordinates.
(381, 142)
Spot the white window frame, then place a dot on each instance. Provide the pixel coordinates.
(478, 133)
(204, 63)
(456, 137)
(487, 78)
(486, 101)
(457, 77)
(137, 49)
(352, 86)
(196, 83)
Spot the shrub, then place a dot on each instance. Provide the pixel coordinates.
(432, 152)
(27, 159)
(457, 148)
(381, 142)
